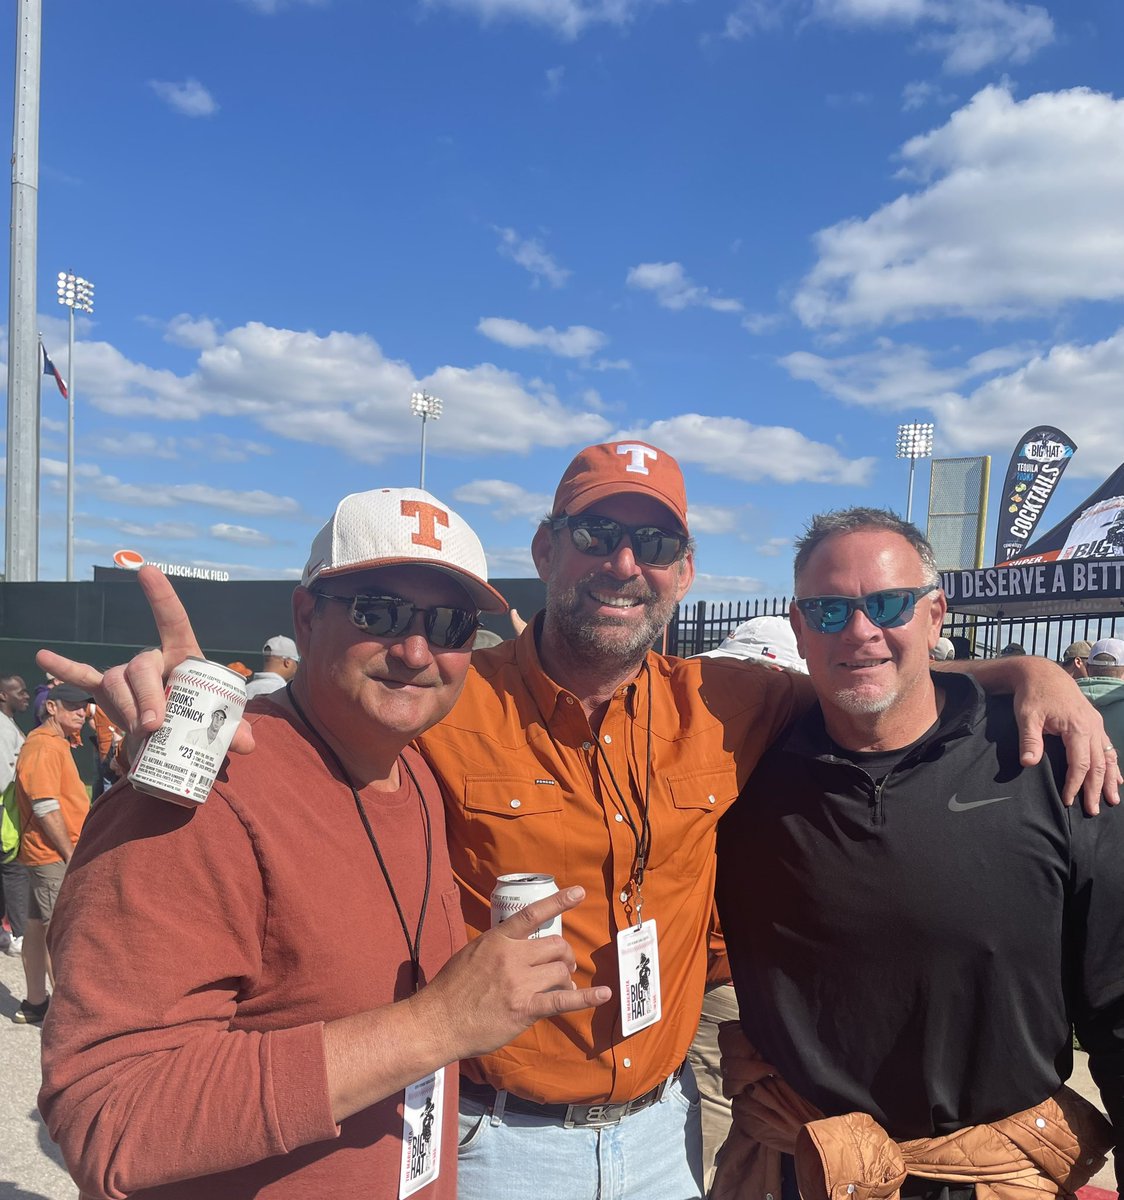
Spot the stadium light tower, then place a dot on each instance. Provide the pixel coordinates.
(428, 407)
(915, 441)
(76, 293)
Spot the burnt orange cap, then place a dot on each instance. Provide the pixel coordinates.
(616, 468)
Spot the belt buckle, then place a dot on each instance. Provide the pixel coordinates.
(597, 1116)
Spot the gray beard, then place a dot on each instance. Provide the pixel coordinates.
(606, 641)
(852, 702)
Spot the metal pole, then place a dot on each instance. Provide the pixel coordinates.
(421, 481)
(21, 516)
(909, 500)
(70, 452)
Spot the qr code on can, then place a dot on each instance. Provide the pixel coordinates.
(160, 736)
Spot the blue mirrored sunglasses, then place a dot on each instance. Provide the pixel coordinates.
(887, 609)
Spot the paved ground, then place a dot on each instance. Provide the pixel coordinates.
(30, 1165)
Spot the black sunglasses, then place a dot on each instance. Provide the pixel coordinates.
(600, 536)
(887, 609)
(390, 616)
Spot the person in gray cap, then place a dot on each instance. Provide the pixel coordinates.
(1074, 659)
(53, 804)
(1103, 686)
(281, 661)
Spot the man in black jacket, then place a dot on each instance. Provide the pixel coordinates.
(915, 922)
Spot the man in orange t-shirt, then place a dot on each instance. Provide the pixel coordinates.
(53, 804)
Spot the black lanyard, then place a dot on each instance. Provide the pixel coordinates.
(413, 946)
(643, 835)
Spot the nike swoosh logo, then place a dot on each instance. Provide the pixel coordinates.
(955, 805)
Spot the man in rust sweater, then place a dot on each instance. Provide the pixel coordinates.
(200, 1042)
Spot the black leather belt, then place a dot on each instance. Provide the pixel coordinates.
(587, 1116)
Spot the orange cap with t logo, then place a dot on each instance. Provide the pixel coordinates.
(619, 468)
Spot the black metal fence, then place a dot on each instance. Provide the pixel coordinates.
(702, 626)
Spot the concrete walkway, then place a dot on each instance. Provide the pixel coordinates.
(30, 1164)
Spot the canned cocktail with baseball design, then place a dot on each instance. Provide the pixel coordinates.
(513, 892)
(179, 762)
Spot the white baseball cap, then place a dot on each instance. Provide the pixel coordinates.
(397, 526)
(281, 647)
(765, 639)
(1108, 652)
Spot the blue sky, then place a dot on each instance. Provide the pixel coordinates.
(758, 233)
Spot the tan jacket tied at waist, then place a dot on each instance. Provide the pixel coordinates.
(1049, 1150)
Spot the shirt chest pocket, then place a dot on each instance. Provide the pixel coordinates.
(698, 799)
(514, 823)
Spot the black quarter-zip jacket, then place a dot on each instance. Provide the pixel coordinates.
(918, 949)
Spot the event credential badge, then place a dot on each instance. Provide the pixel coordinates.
(638, 958)
(422, 1111)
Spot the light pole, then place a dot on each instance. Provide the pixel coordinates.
(915, 441)
(428, 407)
(76, 293)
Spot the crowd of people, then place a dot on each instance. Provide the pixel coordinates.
(818, 846)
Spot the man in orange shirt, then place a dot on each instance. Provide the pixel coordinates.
(53, 805)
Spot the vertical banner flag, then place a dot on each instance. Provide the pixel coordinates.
(49, 368)
(1036, 467)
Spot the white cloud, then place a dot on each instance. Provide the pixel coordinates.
(220, 448)
(709, 518)
(190, 98)
(576, 341)
(968, 34)
(1077, 386)
(736, 449)
(336, 390)
(706, 586)
(135, 444)
(530, 254)
(774, 547)
(505, 500)
(164, 531)
(554, 77)
(241, 534)
(921, 92)
(750, 17)
(511, 562)
(760, 323)
(269, 8)
(168, 495)
(567, 18)
(891, 376)
(984, 404)
(1020, 209)
(674, 289)
(196, 333)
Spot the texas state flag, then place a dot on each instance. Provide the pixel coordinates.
(49, 368)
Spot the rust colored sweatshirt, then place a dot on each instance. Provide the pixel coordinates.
(199, 953)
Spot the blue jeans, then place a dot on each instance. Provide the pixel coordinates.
(655, 1154)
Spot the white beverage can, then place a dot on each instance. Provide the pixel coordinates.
(181, 759)
(513, 892)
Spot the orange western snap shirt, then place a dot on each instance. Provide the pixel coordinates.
(45, 770)
(528, 789)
